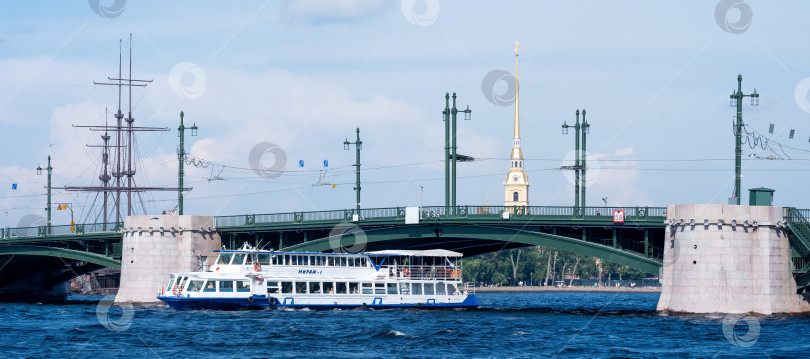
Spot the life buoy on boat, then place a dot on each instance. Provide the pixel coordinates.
(257, 267)
(406, 272)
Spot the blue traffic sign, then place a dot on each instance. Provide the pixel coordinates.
(13, 186)
(326, 163)
(301, 163)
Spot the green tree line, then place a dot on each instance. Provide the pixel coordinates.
(541, 265)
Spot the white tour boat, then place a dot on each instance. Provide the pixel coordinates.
(250, 278)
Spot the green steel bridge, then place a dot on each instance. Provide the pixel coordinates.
(637, 242)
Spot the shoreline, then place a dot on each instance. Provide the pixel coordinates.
(567, 289)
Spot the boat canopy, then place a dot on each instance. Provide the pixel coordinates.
(414, 253)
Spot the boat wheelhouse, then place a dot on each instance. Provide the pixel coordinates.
(256, 279)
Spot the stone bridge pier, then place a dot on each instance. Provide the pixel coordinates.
(727, 259)
(156, 246)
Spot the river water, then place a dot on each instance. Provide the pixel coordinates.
(596, 325)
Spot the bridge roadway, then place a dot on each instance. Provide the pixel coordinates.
(472, 230)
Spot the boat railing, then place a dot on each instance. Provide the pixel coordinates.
(469, 287)
(426, 272)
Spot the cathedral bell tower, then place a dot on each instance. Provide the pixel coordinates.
(517, 182)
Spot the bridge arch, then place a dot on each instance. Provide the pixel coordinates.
(88, 257)
(479, 239)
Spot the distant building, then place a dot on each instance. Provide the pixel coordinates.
(517, 182)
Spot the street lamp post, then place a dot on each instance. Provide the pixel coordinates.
(48, 207)
(467, 117)
(446, 119)
(451, 156)
(580, 132)
(181, 154)
(586, 129)
(736, 100)
(358, 145)
(577, 167)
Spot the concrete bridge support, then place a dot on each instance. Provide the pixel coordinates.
(727, 259)
(155, 246)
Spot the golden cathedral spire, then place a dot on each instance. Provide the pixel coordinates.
(517, 182)
(517, 93)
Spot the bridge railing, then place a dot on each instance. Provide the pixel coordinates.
(458, 212)
(61, 230)
(550, 212)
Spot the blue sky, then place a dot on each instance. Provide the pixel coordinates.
(303, 74)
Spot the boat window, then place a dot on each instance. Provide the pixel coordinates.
(286, 287)
(272, 287)
(274, 259)
(429, 289)
(194, 286)
(242, 286)
(367, 289)
(328, 287)
(225, 258)
(171, 283)
(353, 288)
(330, 261)
(226, 286)
(249, 260)
(416, 288)
(264, 258)
(440, 288)
(342, 261)
(321, 261)
(210, 287)
(182, 284)
(363, 262)
(451, 289)
(379, 288)
(238, 259)
(340, 288)
(392, 288)
(300, 287)
(294, 260)
(315, 287)
(404, 288)
(303, 260)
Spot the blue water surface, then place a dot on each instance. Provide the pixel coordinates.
(595, 325)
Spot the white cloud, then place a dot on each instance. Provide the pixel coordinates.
(624, 152)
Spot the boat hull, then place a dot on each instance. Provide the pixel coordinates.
(264, 302)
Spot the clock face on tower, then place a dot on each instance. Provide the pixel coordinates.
(515, 178)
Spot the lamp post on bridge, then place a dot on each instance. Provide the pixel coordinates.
(580, 132)
(48, 207)
(451, 156)
(586, 129)
(358, 145)
(736, 100)
(181, 154)
(576, 168)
